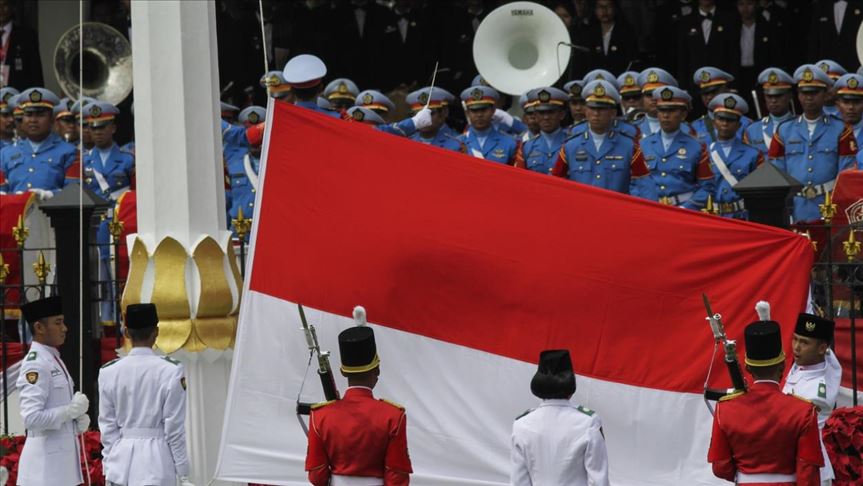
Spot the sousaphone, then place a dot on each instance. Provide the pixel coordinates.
(107, 58)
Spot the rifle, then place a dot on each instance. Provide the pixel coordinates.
(730, 347)
(325, 371)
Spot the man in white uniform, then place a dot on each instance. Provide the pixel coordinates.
(53, 413)
(558, 442)
(142, 410)
(816, 373)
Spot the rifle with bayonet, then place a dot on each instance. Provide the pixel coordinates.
(325, 371)
(730, 348)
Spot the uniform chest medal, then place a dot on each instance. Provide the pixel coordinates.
(498, 153)
(681, 153)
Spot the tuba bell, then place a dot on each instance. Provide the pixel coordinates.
(520, 46)
(107, 59)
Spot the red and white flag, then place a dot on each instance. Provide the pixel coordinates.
(468, 269)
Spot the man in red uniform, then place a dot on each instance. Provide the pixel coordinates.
(763, 436)
(358, 440)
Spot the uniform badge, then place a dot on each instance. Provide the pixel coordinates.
(773, 78)
(498, 153)
(343, 88)
(730, 103)
(183, 382)
(824, 67)
(358, 115)
(629, 80)
(31, 356)
(599, 90)
(822, 390)
(681, 152)
(666, 94)
(35, 96)
(652, 77)
(808, 75)
(95, 110)
(852, 83)
(705, 76)
(599, 76)
(544, 96)
(253, 117)
(423, 98)
(810, 326)
(32, 377)
(273, 81)
(575, 90)
(476, 94)
(368, 99)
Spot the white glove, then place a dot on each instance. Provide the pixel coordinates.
(77, 407)
(502, 118)
(184, 481)
(42, 194)
(82, 424)
(422, 119)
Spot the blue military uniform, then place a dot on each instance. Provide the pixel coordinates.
(850, 87)
(489, 144)
(6, 96)
(678, 162)
(244, 181)
(611, 160)
(307, 71)
(835, 71)
(759, 134)
(274, 83)
(405, 128)
(375, 101)
(42, 166)
(815, 160)
(730, 160)
(436, 100)
(540, 152)
(650, 79)
(711, 81)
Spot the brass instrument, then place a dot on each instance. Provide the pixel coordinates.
(107, 59)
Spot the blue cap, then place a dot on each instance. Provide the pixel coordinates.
(525, 103)
(478, 81)
(728, 105)
(479, 96)
(832, 68)
(304, 71)
(654, 77)
(7, 95)
(100, 113)
(82, 104)
(671, 97)
(574, 88)
(324, 104)
(775, 81)
(860, 70)
(547, 98)
(341, 89)
(711, 79)
(435, 97)
(601, 94)
(63, 108)
(364, 115)
(600, 74)
(449, 98)
(810, 77)
(228, 108)
(375, 100)
(37, 99)
(849, 86)
(627, 84)
(252, 115)
(275, 83)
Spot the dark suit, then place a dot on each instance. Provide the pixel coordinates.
(356, 56)
(767, 51)
(825, 43)
(722, 49)
(666, 27)
(416, 54)
(622, 47)
(25, 64)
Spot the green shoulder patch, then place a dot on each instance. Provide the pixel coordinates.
(31, 356)
(822, 390)
(585, 410)
(394, 404)
(109, 363)
(525, 413)
(171, 360)
(732, 396)
(318, 405)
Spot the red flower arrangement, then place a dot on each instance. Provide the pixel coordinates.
(10, 453)
(843, 439)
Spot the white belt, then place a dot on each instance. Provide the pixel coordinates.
(744, 478)
(133, 433)
(676, 200)
(338, 480)
(812, 191)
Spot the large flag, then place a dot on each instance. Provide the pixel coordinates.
(468, 269)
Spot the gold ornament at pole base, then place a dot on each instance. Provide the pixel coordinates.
(41, 268)
(115, 227)
(193, 317)
(851, 246)
(20, 232)
(4, 270)
(711, 207)
(241, 224)
(828, 208)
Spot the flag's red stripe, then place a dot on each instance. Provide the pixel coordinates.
(507, 261)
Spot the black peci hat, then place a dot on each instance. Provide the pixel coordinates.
(813, 326)
(554, 377)
(358, 350)
(140, 316)
(42, 308)
(764, 344)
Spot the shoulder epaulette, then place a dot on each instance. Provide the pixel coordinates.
(801, 398)
(732, 396)
(526, 412)
(109, 363)
(171, 360)
(318, 405)
(394, 404)
(585, 410)
(31, 356)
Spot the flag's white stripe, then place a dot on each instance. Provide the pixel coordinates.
(460, 404)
